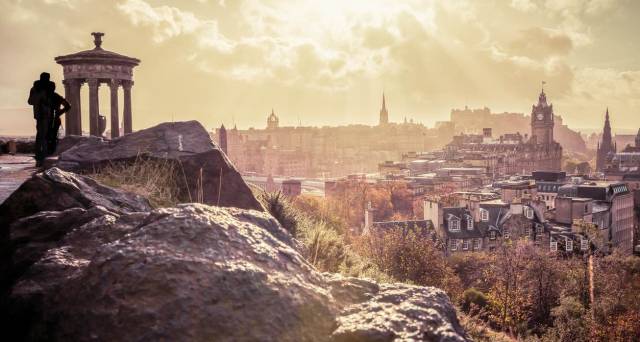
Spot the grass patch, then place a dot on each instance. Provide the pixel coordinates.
(155, 179)
(322, 235)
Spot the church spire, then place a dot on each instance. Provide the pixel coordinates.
(607, 145)
(384, 104)
(607, 126)
(384, 114)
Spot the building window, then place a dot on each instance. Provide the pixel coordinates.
(553, 245)
(469, 223)
(569, 245)
(453, 244)
(539, 228)
(492, 235)
(528, 213)
(584, 244)
(454, 225)
(477, 244)
(484, 215)
(506, 234)
(465, 245)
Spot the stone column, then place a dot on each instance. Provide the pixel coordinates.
(94, 107)
(76, 106)
(69, 122)
(128, 125)
(115, 124)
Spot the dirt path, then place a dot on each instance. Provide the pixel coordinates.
(13, 171)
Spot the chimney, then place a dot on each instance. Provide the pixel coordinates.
(368, 217)
(433, 212)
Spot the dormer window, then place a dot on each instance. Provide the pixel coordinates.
(454, 225)
(528, 213)
(484, 215)
(539, 228)
(469, 222)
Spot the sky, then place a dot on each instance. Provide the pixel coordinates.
(327, 62)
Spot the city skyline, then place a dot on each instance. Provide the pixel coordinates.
(226, 62)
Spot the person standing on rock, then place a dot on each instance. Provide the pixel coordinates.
(46, 106)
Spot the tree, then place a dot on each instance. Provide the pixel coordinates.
(510, 300)
(570, 322)
(409, 256)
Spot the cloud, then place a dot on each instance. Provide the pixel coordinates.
(524, 5)
(169, 22)
(541, 43)
(328, 61)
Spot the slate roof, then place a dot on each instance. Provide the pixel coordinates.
(423, 227)
(499, 213)
(461, 213)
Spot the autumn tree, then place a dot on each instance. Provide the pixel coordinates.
(409, 256)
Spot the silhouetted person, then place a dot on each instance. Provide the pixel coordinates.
(57, 102)
(39, 98)
(46, 108)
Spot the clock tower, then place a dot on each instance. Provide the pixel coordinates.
(542, 121)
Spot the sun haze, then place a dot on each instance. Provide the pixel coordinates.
(327, 62)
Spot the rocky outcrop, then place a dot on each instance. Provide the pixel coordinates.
(103, 267)
(205, 172)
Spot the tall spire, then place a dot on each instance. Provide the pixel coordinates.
(607, 125)
(607, 145)
(384, 114)
(384, 104)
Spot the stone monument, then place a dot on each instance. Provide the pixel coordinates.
(95, 67)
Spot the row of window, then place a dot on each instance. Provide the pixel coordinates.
(548, 188)
(568, 245)
(465, 244)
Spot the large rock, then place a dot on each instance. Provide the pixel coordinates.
(91, 271)
(57, 190)
(205, 172)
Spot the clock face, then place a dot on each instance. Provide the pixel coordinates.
(540, 116)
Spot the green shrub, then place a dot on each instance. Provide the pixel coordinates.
(280, 208)
(472, 298)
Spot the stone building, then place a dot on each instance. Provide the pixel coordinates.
(291, 187)
(481, 223)
(607, 204)
(513, 153)
(327, 151)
